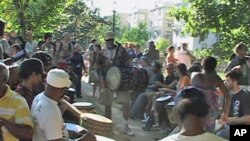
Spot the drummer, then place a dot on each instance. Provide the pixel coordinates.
(117, 56)
(46, 114)
(31, 71)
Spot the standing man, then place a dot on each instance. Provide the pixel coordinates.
(4, 45)
(46, 114)
(115, 55)
(31, 45)
(184, 56)
(2, 26)
(88, 56)
(64, 51)
(241, 62)
(15, 117)
(77, 60)
(152, 54)
(48, 46)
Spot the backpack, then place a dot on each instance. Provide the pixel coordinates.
(138, 79)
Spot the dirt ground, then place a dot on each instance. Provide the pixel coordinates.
(136, 125)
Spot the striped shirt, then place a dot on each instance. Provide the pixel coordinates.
(13, 107)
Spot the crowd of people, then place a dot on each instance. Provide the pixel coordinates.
(32, 87)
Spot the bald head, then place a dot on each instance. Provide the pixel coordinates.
(170, 68)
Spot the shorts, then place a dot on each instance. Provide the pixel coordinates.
(106, 97)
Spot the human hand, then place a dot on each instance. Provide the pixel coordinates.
(223, 119)
(164, 89)
(157, 83)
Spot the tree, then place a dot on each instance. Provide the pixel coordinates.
(42, 16)
(80, 21)
(229, 19)
(162, 44)
(37, 15)
(138, 35)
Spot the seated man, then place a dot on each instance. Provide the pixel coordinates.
(240, 111)
(46, 114)
(142, 100)
(15, 117)
(191, 111)
(159, 109)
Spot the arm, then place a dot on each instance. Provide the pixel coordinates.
(240, 120)
(231, 65)
(226, 108)
(170, 86)
(18, 130)
(191, 56)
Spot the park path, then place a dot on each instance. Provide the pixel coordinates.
(136, 125)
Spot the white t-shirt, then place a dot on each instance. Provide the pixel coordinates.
(30, 47)
(47, 119)
(203, 137)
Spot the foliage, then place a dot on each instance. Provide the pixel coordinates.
(81, 21)
(162, 44)
(138, 35)
(229, 19)
(57, 16)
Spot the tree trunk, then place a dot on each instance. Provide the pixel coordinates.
(21, 17)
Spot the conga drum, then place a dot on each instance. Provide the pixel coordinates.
(75, 131)
(97, 124)
(85, 107)
(171, 115)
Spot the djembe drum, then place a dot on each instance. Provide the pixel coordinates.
(85, 107)
(97, 124)
(171, 115)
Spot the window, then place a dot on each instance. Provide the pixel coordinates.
(204, 45)
(142, 16)
(169, 24)
(168, 34)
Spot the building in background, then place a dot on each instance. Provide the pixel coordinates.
(138, 16)
(160, 24)
(193, 42)
(123, 19)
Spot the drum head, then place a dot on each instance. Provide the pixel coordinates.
(83, 104)
(71, 90)
(162, 99)
(102, 138)
(96, 117)
(74, 127)
(113, 78)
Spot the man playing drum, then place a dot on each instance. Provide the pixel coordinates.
(115, 55)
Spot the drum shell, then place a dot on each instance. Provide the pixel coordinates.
(171, 115)
(97, 127)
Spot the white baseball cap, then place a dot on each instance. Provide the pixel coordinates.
(58, 78)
